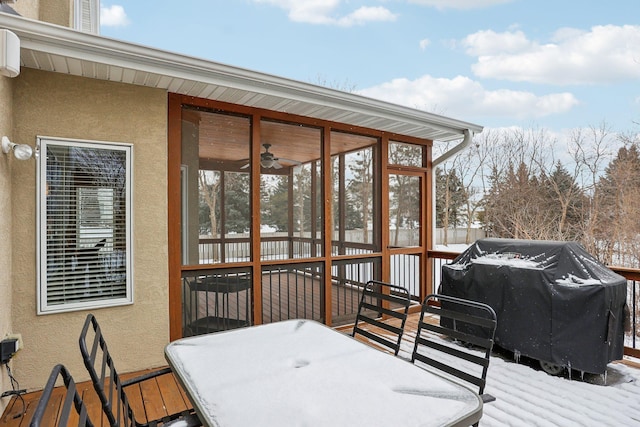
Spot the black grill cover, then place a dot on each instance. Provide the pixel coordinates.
(554, 301)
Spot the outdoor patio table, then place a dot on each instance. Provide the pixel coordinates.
(303, 373)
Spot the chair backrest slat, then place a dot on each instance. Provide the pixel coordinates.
(110, 387)
(380, 299)
(458, 340)
(465, 317)
(463, 375)
(461, 352)
(377, 309)
(104, 376)
(459, 335)
(72, 410)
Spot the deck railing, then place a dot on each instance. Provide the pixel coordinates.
(275, 245)
(219, 299)
(632, 336)
(296, 290)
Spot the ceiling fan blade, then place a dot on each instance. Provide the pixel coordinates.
(295, 162)
(268, 160)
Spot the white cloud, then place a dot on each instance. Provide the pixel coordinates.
(113, 16)
(367, 14)
(323, 12)
(604, 54)
(459, 4)
(488, 42)
(424, 43)
(463, 97)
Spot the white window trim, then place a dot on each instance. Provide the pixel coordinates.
(41, 288)
(87, 16)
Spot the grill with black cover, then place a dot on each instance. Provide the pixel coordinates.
(554, 301)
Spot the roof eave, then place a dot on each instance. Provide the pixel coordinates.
(48, 39)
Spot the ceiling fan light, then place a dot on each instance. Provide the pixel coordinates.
(266, 163)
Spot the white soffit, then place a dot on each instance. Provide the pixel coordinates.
(63, 50)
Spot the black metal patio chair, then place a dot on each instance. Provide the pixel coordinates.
(72, 411)
(460, 343)
(111, 389)
(371, 308)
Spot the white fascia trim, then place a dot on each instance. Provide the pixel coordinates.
(53, 39)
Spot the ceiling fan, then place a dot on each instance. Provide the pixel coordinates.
(269, 160)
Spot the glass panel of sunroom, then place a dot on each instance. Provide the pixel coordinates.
(404, 210)
(215, 176)
(403, 154)
(353, 194)
(290, 185)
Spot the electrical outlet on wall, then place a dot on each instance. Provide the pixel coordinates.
(17, 337)
(9, 346)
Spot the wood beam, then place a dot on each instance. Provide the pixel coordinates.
(256, 295)
(174, 143)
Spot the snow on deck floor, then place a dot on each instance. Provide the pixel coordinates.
(526, 396)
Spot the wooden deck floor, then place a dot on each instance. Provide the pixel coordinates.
(154, 399)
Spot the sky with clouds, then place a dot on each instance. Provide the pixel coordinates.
(497, 63)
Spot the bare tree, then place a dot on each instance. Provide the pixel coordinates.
(470, 165)
(344, 86)
(514, 202)
(591, 151)
(209, 183)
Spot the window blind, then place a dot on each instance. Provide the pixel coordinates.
(85, 225)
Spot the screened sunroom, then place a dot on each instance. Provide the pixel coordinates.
(282, 216)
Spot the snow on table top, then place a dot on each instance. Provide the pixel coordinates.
(301, 372)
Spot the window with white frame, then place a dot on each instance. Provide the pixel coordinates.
(84, 219)
(87, 16)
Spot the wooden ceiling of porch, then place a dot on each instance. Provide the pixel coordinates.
(225, 137)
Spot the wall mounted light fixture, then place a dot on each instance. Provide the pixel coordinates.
(9, 51)
(21, 151)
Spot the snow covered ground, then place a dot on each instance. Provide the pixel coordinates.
(527, 396)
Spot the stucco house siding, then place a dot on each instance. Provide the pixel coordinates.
(6, 101)
(53, 11)
(51, 104)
